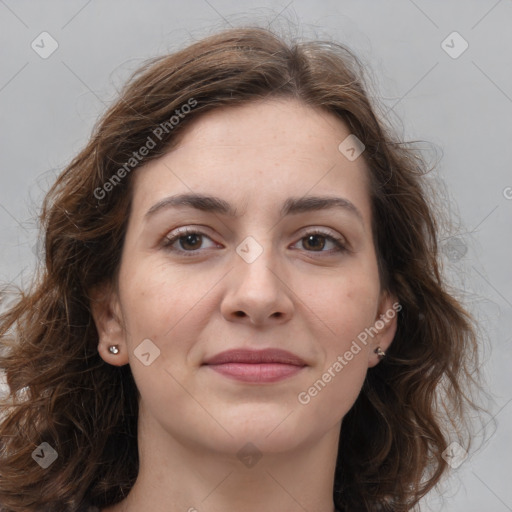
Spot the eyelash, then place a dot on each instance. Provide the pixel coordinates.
(169, 241)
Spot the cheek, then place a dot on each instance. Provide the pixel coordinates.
(345, 305)
(155, 296)
(168, 306)
(158, 304)
(336, 383)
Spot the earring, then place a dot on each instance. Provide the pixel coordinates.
(113, 349)
(380, 352)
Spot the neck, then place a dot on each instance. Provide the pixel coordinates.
(179, 476)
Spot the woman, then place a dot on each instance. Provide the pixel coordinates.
(241, 306)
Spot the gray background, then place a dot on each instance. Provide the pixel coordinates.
(460, 106)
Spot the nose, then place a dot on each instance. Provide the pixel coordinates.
(258, 292)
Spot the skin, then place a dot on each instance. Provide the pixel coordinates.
(298, 296)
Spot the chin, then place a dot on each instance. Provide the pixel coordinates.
(271, 430)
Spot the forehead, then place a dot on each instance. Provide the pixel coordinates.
(260, 152)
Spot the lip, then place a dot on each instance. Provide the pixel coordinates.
(247, 356)
(269, 365)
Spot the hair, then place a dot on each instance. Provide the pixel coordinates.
(411, 405)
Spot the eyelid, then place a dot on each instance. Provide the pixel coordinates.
(308, 230)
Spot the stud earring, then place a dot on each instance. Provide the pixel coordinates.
(113, 349)
(380, 352)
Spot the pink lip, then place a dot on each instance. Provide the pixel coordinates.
(268, 365)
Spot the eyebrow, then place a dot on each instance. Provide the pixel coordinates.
(291, 206)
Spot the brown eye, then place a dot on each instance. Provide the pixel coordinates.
(186, 241)
(191, 241)
(314, 242)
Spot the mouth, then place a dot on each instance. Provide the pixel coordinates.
(259, 366)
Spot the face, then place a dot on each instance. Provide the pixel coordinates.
(258, 277)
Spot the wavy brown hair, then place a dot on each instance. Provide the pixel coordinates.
(412, 404)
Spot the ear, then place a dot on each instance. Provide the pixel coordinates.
(384, 327)
(106, 313)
